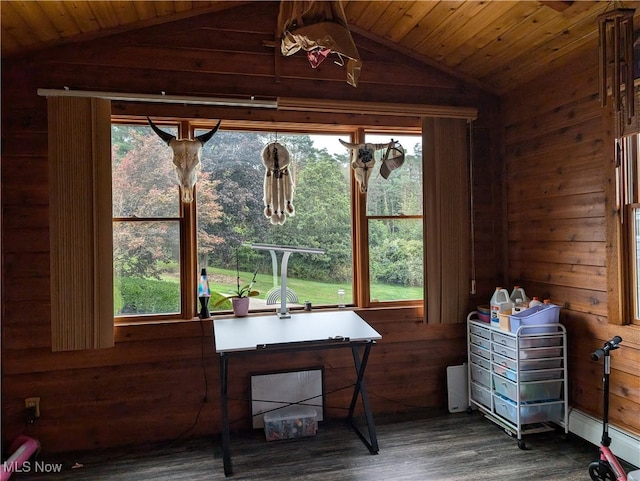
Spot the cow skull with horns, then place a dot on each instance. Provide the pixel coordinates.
(362, 161)
(186, 157)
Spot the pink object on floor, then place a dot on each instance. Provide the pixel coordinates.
(22, 449)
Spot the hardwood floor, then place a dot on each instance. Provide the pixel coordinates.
(447, 447)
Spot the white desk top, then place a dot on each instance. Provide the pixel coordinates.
(249, 333)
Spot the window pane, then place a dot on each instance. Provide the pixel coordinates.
(401, 192)
(231, 213)
(395, 259)
(146, 261)
(144, 181)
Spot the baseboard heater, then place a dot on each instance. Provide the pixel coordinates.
(623, 444)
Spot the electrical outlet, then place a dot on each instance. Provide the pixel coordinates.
(33, 402)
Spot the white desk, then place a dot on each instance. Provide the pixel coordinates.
(302, 331)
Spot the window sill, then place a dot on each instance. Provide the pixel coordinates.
(138, 330)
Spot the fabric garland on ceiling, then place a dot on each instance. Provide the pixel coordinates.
(319, 28)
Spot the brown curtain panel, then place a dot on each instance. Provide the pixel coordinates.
(447, 244)
(80, 223)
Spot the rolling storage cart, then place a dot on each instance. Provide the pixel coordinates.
(519, 379)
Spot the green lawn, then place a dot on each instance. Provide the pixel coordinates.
(151, 296)
(316, 292)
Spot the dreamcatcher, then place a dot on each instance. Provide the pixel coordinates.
(278, 183)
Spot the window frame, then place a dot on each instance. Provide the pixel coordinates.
(186, 222)
(628, 200)
(367, 218)
(188, 215)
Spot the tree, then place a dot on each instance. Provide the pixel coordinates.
(144, 186)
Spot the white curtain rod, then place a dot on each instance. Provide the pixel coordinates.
(162, 98)
(282, 103)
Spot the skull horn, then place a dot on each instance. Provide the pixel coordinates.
(166, 136)
(349, 145)
(204, 138)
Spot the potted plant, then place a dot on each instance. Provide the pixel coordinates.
(240, 297)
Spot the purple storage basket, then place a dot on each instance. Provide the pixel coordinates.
(534, 316)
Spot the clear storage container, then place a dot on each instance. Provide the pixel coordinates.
(529, 391)
(290, 422)
(529, 412)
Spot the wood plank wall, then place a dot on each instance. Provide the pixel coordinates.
(161, 381)
(558, 162)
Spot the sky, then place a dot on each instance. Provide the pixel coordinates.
(333, 146)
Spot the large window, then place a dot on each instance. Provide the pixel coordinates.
(160, 244)
(629, 200)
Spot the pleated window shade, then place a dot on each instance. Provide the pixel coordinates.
(447, 239)
(80, 223)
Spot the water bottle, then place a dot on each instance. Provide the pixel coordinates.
(341, 302)
(500, 296)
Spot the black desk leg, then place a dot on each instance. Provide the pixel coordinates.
(361, 390)
(226, 440)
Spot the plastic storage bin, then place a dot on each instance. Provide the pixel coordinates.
(481, 341)
(481, 395)
(529, 353)
(290, 422)
(525, 342)
(533, 375)
(480, 375)
(535, 316)
(529, 412)
(480, 361)
(480, 351)
(526, 365)
(529, 391)
(479, 331)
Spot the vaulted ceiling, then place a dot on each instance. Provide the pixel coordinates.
(497, 45)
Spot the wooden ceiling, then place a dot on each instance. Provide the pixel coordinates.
(497, 45)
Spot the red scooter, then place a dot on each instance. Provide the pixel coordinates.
(608, 468)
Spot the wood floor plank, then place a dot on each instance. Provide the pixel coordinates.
(445, 447)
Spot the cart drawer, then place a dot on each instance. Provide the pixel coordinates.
(526, 365)
(529, 391)
(480, 331)
(531, 375)
(525, 341)
(480, 395)
(531, 353)
(480, 361)
(481, 375)
(529, 412)
(480, 341)
(480, 351)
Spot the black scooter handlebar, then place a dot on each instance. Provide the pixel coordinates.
(608, 346)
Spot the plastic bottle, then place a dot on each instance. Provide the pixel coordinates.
(518, 293)
(535, 302)
(500, 296)
(520, 305)
(341, 301)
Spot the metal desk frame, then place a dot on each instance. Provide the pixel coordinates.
(360, 350)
